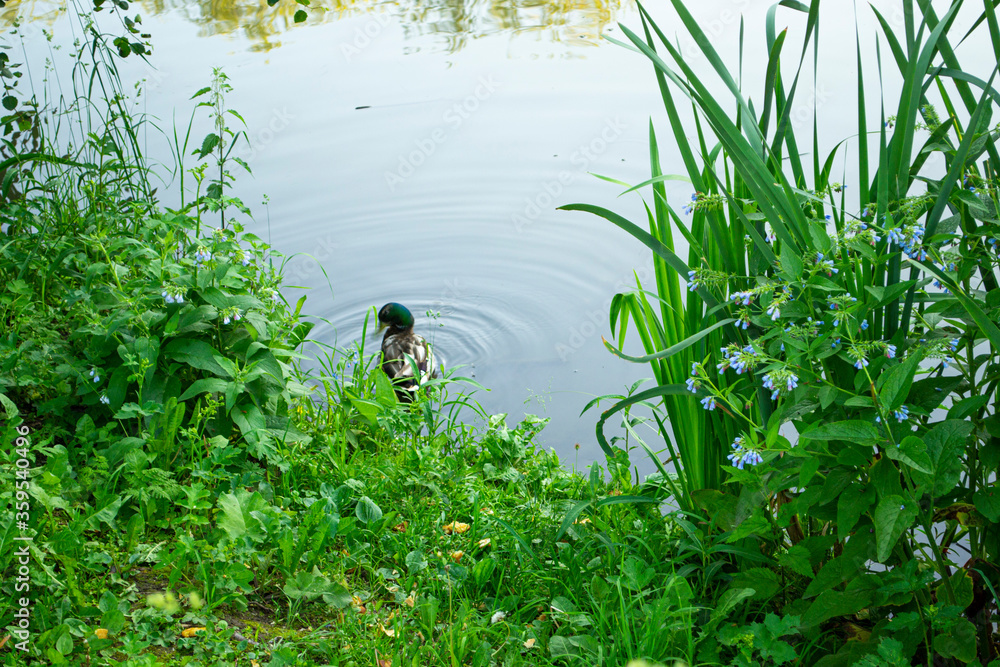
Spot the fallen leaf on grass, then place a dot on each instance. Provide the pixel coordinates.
(456, 527)
(102, 633)
(389, 632)
(529, 643)
(485, 542)
(457, 555)
(411, 600)
(401, 526)
(191, 632)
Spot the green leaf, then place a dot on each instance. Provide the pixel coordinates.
(893, 517)
(958, 641)
(988, 503)
(571, 517)
(367, 511)
(861, 432)
(210, 385)
(894, 384)
(851, 504)
(237, 514)
(207, 145)
(673, 349)
(113, 621)
(796, 559)
(945, 448)
(912, 452)
(9, 102)
(195, 353)
(830, 604)
(300, 16)
(415, 561)
(337, 596)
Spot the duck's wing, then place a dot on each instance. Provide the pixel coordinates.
(396, 349)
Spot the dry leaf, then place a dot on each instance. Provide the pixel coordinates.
(483, 543)
(411, 600)
(487, 511)
(191, 632)
(529, 643)
(4, 641)
(254, 663)
(102, 633)
(384, 662)
(582, 521)
(389, 632)
(401, 526)
(457, 555)
(456, 527)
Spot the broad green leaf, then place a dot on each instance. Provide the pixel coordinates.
(858, 431)
(236, 518)
(957, 641)
(893, 517)
(415, 561)
(830, 604)
(367, 511)
(195, 353)
(210, 385)
(988, 503)
(796, 559)
(894, 384)
(912, 452)
(946, 448)
(852, 503)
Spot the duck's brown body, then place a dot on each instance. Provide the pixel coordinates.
(398, 344)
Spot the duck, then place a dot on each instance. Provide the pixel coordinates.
(398, 343)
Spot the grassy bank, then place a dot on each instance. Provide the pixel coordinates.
(191, 478)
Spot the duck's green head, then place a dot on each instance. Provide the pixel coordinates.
(395, 316)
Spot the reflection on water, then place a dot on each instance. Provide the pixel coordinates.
(438, 25)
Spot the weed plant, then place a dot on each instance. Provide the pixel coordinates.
(826, 388)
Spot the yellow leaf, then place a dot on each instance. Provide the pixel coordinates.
(411, 600)
(529, 643)
(102, 633)
(457, 555)
(191, 632)
(389, 632)
(485, 542)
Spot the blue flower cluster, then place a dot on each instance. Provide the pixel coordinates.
(777, 380)
(740, 360)
(743, 455)
(172, 296)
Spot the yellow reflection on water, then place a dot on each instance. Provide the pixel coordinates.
(437, 25)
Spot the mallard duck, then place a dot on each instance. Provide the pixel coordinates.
(398, 343)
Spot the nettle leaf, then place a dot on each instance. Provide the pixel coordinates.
(207, 145)
(912, 452)
(852, 430)
(893, 517)
(830, 604)
(796, 559)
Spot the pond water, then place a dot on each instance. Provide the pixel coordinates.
(415, 151)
